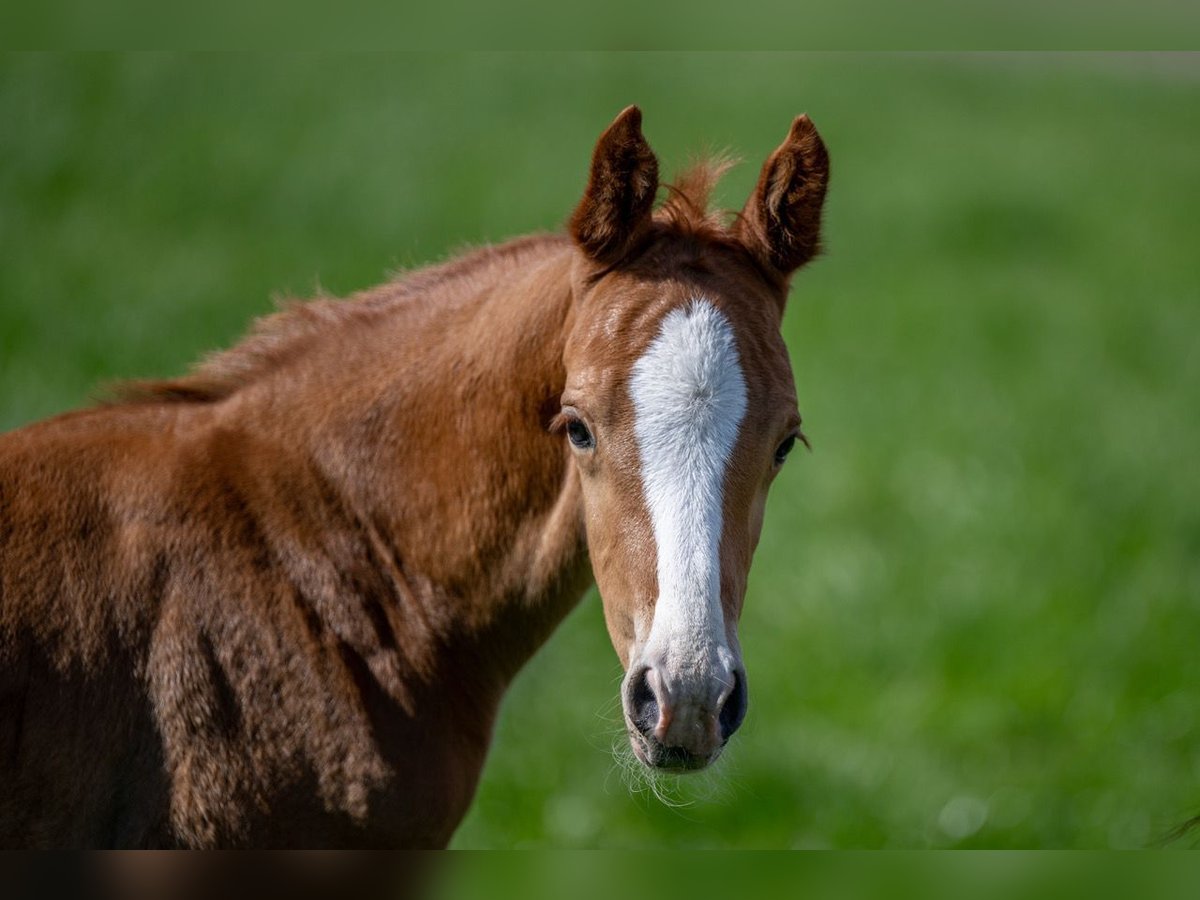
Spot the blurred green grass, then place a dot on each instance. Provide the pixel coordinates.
(973, 617)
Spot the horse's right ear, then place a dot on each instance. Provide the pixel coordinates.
(615, 209)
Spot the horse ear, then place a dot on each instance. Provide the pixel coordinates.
(616, 205)
(781, 222)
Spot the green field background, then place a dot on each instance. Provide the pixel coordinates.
(974, 618)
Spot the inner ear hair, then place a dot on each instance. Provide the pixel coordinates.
(781, 222)
(616, 206)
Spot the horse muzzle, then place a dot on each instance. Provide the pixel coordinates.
(681, 723)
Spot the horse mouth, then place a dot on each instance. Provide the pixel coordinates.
(671, 760)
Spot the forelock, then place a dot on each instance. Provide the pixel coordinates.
(686, 208)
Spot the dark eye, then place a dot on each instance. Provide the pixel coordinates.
(579, 436)
(782, 451)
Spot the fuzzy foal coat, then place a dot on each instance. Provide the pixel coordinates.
(277, 601)
(223, 608)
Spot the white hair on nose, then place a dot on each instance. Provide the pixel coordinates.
(689, 398)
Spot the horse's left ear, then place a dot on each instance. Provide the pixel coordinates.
(781, 222)
(616, 205)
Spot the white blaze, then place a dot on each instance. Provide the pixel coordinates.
(689, 399)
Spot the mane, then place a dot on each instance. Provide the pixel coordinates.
(686, 208)
(279, 337)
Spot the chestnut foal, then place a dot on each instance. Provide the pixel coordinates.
(277, 601)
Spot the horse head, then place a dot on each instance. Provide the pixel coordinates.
(680, 409)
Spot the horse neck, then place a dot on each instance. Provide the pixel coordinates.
(428, 423)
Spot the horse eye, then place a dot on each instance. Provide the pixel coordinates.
(781, 453)
(579, 436)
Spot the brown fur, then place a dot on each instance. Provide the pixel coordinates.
(781, 223)
(276, 601)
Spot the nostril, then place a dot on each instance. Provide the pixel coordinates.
(643, 705)
(734, 710)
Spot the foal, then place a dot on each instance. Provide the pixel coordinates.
(277, 601)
